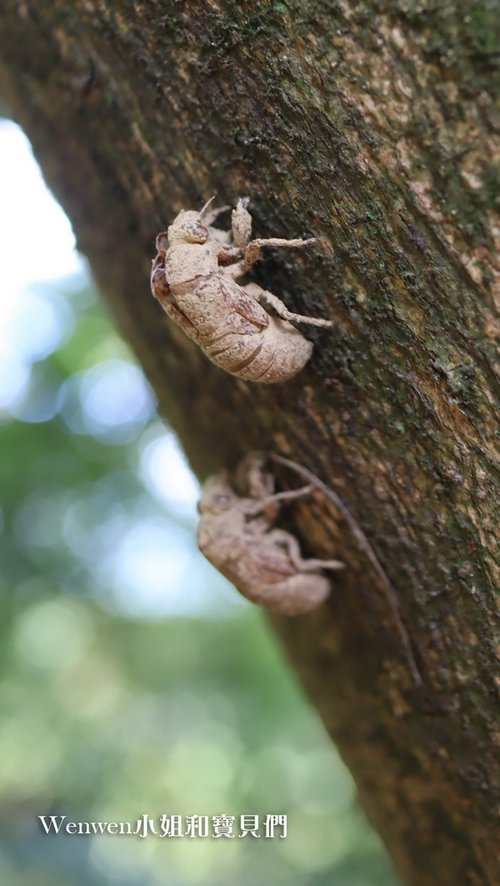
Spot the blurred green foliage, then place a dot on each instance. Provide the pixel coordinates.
(132, 679)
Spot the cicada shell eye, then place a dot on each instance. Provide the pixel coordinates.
(162, 243)
(159, 284)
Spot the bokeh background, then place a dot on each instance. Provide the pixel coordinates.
(133, 680)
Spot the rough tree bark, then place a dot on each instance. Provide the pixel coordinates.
(373, 125)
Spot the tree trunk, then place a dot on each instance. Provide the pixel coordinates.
(371, 125)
